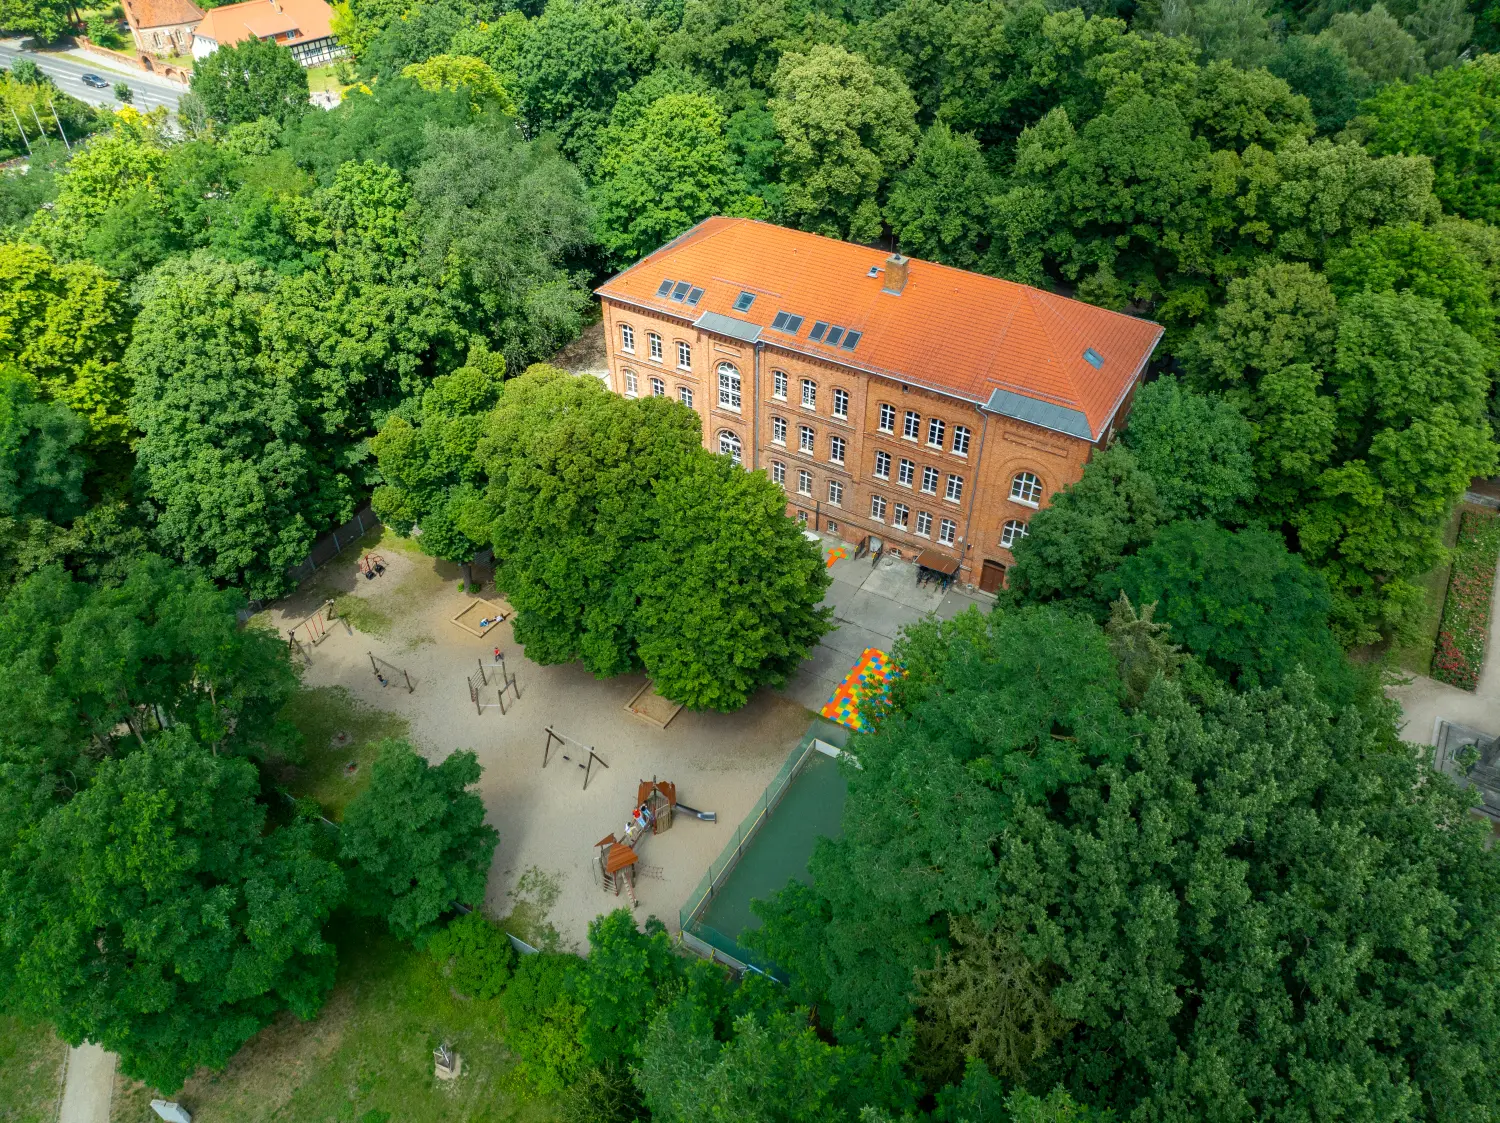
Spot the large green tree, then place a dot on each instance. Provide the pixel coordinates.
(939, 206)
(249, 80)
(671, 169)
(155, 914)
(41, 476)
(1249, 907)
(415, 840)
(847, 127)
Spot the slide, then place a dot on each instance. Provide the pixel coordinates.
(706, 816)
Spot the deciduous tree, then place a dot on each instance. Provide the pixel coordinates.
(246, 81)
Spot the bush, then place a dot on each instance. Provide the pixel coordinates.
(477, 954)
(1466, 610)
(543, 1025)
(123, 92)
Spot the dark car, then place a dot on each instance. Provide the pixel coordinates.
(95, 81)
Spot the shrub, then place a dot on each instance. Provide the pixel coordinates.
(543, 1024)
(477, 953)
(1466, 610)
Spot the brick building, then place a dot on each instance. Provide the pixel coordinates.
(930, 407)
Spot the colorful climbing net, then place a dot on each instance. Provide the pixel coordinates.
(870, 677)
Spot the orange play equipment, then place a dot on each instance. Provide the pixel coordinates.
(655, 805)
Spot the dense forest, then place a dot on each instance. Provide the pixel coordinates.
(1142, 841)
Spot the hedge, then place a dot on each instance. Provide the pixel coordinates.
(1466, 610)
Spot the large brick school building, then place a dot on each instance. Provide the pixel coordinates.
(927, 406)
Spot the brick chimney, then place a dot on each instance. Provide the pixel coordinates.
(895, 274)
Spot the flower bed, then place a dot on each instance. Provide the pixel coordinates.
(1466, 609)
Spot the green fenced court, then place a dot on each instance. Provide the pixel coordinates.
(773, 844)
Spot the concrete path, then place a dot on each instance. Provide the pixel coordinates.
(871, 604)
(1424, 700)
(89, 1086)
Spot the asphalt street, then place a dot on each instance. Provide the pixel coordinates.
(68, 70)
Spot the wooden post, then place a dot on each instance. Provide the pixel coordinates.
(409, 687)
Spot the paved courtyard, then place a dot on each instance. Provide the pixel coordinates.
(871, 604)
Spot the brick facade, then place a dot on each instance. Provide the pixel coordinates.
(846, 403)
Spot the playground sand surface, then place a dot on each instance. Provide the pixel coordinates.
(548, 824)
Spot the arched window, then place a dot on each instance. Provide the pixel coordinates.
(654, 341)
(729, 386)
(631, 386)
(729, 445)
(658, 388)
(1012, 532)
(627, 338)
(1026, 488)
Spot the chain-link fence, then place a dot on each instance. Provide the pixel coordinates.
(331, 545)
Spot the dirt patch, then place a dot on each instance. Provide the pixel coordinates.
(586, 354)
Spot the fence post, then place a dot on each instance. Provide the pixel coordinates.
(337, 549)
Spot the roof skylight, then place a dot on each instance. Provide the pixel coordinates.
(1093, 358)
(743, 301)
(787, 322)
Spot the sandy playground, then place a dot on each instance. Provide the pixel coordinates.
(548, 823)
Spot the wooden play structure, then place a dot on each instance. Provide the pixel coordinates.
(389, 674)
(563, 741)
(618, 858)
(497, 676)
(313, 629)
(480, 615)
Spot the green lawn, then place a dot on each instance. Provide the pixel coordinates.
(31, 1065)
(336, 728)
(323, 79)
(367, 1058)
(1416, 657)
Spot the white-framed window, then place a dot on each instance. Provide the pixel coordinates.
(836, 492)
(805, 438)
(778, 430)
(654, 342)
(778, 384)
(833, 527)
(729, 387)
(802, 518)
(882, 465)
(906, 473)
(684, 356)
(627, 339)
(961, 440)
(877, 507)
(836, 447)
(955, 489)
(685, 396)
(935, 428)
(929, 480)
(924, 524)
(947, 528)
(1027, 489)
(729, 445)
(778, 473)
(911, 428)
(899, 512)
(804, 482)
(631, 386)
(658, 388)
(887, 418)
(809, 394)
(1012, 532)
(841, 404)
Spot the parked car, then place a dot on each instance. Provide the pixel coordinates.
(95, 81)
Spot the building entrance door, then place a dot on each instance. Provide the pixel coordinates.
(991, 577)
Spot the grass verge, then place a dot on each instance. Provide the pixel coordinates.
(1459, 654)
(367, 1058)
(322, 714)
(31, 1067)
(1416, 657)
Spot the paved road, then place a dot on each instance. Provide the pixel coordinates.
(66, 70)
(89, 1086)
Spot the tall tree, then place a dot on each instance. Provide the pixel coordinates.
(847, 128)
(939, 206)
(670, 170)
(156, 915)
(249, 80)
(1197, 448)
(415, 840)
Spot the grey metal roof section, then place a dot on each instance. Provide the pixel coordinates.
(728, 325)
(1060, 419)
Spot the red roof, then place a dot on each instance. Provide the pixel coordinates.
(260, 19)
(1012, 347)
(146, 14)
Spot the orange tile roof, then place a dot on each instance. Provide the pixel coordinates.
(1011, 347)
(234, 23)
(146, 14)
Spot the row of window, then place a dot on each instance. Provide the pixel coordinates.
(658, 389)
(900, 516)
(906, 475)
(810, 394)
(937, 429)
(654, 347)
